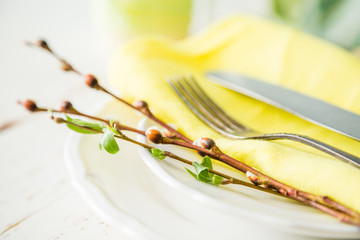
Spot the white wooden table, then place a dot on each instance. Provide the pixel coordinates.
(37, 199)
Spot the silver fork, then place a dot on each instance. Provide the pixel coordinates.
(206, 110)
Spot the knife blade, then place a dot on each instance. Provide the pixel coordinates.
(303, 106)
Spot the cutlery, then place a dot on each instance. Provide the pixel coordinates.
(306, 107)
(206, 110)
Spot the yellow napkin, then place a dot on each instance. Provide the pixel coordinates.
(267, 51)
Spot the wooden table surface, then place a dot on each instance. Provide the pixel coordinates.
(37, 199)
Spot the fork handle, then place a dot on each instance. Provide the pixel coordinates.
(333, 151)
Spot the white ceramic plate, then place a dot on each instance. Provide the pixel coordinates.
(150, 199)
(235, 202)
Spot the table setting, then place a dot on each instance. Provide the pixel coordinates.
(246, 128)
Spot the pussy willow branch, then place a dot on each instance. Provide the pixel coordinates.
(67, 108)
(323, 203)
(92, 82)
(304, 197)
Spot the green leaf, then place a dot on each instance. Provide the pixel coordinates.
(114, 130)
(200, 169)
(158, 153)
(80, 130)
(108, 142)
(217, 180)
(113, 127)
(112, 121)
(207, 162)
(191, 173)
(202, 172)
(81, 123)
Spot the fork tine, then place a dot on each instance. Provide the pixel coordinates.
(201, 113)
(206, 100)
(185, 83)
(208, 112)
(184, 91)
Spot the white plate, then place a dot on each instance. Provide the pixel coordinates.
(151, 199)
(236, 203)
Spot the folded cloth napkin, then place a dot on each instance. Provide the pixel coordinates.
(267, 51)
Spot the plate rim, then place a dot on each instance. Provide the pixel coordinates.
(351, 232)
(95, 198)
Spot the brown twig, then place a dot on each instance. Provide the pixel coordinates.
(173, 156)
(92, 82)
(322, 203)
(66, 66)
(7, 125)
(67, 108)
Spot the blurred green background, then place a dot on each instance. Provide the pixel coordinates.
(335, 20)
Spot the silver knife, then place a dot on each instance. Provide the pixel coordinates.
(306, 107)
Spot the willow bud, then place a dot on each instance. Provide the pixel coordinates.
(253, 178)
(65, 66)
(292, 192)
(66, 106)
(154, 135)
(91, 81)
(140, 104)
(206, 143)
(59, 120)
(30, 105)
(43, 44)
(167, 133)
(283, 192)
